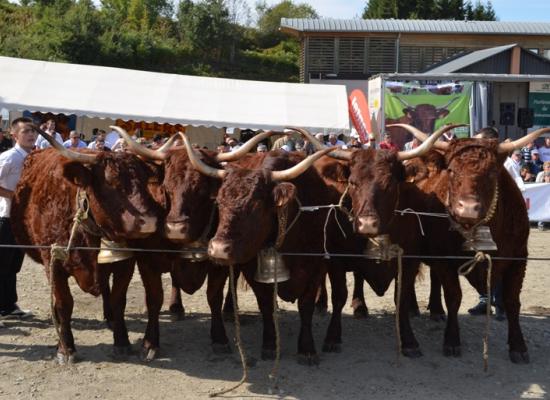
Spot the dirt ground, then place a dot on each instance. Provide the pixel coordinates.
(187, 369)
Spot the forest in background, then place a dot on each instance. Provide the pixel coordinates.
(222, 38)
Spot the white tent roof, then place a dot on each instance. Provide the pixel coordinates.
(150, 96)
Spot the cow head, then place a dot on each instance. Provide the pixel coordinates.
(116, 185)
(424, 115)
(190, 195)
(374, 179)
(473, 167)
(248, 201)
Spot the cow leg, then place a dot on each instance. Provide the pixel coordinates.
(414, 310)
(512, 281)
(307, 355)
(214, 293)
(122, 275)
(453, 297)
(321, 301)
(264, 298)
(333, 339)
(103, 275)
(153, 298)
(409, 345)
(358, 303)
(437, 313)
(176, 308)
(228, 303)
(63, 306)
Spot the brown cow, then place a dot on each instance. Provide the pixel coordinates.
(119, 208)
(477, 189)
(424, 115)
(248, 201)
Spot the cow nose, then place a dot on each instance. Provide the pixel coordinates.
(177, 231)
(468, 208)
(218, 249)
(368, 225)
(148, 224)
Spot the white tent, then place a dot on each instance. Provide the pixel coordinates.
(106, 92)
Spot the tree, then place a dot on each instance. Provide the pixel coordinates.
(269, 19)
(429, 9)
(381, 9)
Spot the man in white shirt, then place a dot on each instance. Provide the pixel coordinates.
(544, 151)
(42, 143)
(334, 141)
(513, 166)
(11, 165)
(74, 141)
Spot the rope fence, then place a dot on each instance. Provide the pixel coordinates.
(324, 255)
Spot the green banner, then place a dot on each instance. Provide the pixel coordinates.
(427, 106)
(540, 103)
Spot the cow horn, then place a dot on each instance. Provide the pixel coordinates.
(426, 145)
(71, 155)
(245, 148)
(417, 133)
(137, 148)
(300, 168)
(448, 104)
(516, 144)
(339, 154)
(198, 164)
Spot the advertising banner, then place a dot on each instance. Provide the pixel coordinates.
(426, 106)
(537, 199)
(539, 101)
(359, 113)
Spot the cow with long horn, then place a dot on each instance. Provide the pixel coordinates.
(112, 190)
(377, 189)
(257, 207)
(477, 190)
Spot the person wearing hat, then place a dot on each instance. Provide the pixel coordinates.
(74, 141)
(536, 162)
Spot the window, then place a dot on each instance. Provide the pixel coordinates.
(321, 55)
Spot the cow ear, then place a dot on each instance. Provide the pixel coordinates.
(336, 171)
(77, 174)
(283, 193)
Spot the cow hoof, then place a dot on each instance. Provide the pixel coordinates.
(177, 312)
(332, 347)
(221, 348)
(361, 312)
(411, 352)
(518, 357)
(452, 351)
(148, 355)
(268, 354)
(438, 317)
(64, 359)
(122, 351)
(321, 309)
(308, 359)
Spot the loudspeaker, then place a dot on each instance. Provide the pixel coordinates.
(525, 117)
(507, 113)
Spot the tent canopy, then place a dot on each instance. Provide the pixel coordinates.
(107, 92)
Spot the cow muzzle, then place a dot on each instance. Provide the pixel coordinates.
(139, 227)
(368, 225)
(219, 251)
(468, 208)
(177, 231)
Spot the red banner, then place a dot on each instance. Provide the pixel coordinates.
(359, 113)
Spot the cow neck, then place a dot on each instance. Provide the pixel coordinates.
(282, 220)
(88, 223)
(202, 240)
(396, 206)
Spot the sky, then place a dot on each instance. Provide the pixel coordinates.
(506, 10)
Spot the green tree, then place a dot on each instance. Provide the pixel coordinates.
(381, 9)
(269, 19)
